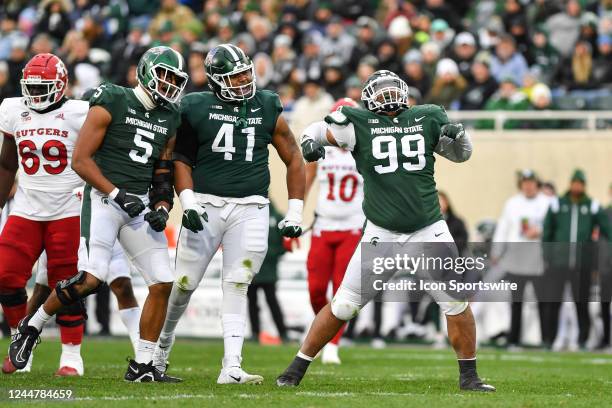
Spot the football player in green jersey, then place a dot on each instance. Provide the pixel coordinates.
(123, 153)
(393, 145)
(221, 162)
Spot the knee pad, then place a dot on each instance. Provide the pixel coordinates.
(69, 285)
(234, 297)
(453, 308)
(16, 298)
(72, 315)
(344, 309)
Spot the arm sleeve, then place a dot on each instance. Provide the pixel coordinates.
(457, 150)
(186, 148)
(7, 125)
(342, 129)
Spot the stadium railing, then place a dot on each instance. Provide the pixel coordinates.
(589, 120)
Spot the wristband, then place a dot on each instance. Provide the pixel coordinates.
(294, 212)
(188, 199)
(113, 194)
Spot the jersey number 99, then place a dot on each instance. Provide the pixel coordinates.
(412, 147)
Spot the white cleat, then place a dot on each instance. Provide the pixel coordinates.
(71, 364)
(330, 354)
(160, 356)
(236, 375)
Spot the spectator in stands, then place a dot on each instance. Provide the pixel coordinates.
(198, 82)
(173, 12)
(386, 53)
(481, 85)
(456, 225)
(421, 25)
(8, 30)
(414, 97)
(367, 66)
(336, 41)
(287, 97)
(6, 90)
(602, 69)
(588, 30)
(54, 18)
(283, 58)
(312, 106)
(516, 248)
(506, 98)
(441, 34)
(413, 72)
(310, 61)
(129, 49)
(261, 29)
(448, 84)
(266, 280)
(401, 34)
(264, 70)
(333, 77)
(571, 219)
(489, 35)
(513, 9)
(17, 61)
(78, 54)
(564, 28)
(366, 40)
(519, 31)
(507, 62)
(541, 99)
(440, 10)
(463, 53)
(543, 55)
(605, 281)
(577, 72)
(353, 89)
(431, 54)
(41, 44)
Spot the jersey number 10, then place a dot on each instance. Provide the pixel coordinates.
(390, 153)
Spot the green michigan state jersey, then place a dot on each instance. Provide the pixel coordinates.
(227, 143)
(395, 157)
(134, 139)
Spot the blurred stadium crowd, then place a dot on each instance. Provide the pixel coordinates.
(468, 55)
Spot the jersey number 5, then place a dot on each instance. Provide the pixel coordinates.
(138, 141)
(385, 148)
(225, 135)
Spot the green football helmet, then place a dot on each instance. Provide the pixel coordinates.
(231, 74)
(161, 72)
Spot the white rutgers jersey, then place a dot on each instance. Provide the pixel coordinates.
(45, 142)
(340, 192)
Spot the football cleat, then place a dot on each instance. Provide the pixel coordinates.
(236, 375)
(160, 356)
(23, 343)
(474, 383)
(330, 354)
(141, 372)
(66, 371)
(288, 379)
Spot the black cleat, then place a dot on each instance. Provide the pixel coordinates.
(23, 343)
(141, 372)
(288, 379)
(474, 383)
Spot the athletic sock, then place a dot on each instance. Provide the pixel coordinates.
(131, 320)
(39, 319)
(233, 338)
(467, 367)
(144, 351)
(14, 314)
(72, 334)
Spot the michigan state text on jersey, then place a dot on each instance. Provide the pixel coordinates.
(221, 162)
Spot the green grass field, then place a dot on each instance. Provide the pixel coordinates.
(396, 376)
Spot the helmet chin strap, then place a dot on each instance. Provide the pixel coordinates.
(143, 96)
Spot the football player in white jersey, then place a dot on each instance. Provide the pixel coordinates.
(40, 130)
(337, 227)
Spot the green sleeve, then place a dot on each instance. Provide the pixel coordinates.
(601, 219)
(549, 226)
(104, 97)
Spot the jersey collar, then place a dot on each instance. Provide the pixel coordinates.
(144, 98)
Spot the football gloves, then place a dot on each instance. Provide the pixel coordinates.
(312, 151)
(291, 225)
(129, 203)
(192, 218)
(157, 219)
(452, 130)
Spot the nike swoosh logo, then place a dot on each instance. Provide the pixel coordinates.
(163, 347)
(255, 109)
(236, 378)
(437, 235)
(132, 370)
(161, 120)
(419, 119)
(19, 357)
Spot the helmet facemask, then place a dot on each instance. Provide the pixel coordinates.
(231, 86)
(166, 83)
(385, 94)
(41, 93)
